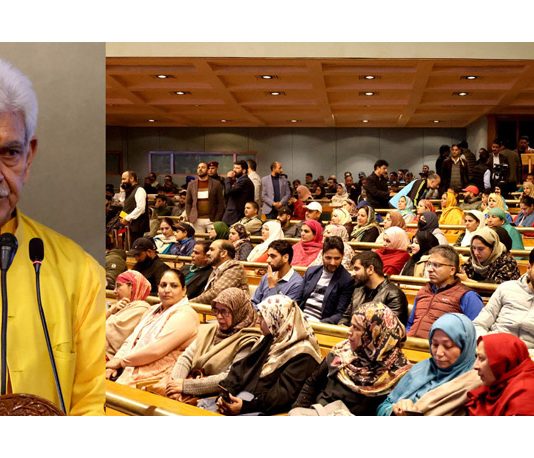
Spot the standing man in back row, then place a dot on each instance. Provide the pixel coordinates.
(238, 189)
(204, 201)
(135, 206)
(256, 180)
(275, 191)
(376, 185)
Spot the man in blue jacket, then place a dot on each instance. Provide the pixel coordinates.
(327, 288)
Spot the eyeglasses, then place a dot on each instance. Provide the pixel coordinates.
(436, 265)
(223, 312)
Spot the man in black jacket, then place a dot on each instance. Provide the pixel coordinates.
(372, 286)
(238, 190)
(376, 185)
(147, 262)
(197, 273)
(454, 171)
(327, 288)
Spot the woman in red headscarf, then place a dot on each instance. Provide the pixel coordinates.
(311, 243)
(507, 372)
(131, 290)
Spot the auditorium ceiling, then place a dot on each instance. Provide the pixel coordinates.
(314, 92)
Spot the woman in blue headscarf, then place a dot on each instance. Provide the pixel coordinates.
(439, 385)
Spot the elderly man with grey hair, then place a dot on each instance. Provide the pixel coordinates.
(72, 282)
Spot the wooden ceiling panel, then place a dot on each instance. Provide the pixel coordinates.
(317, 92)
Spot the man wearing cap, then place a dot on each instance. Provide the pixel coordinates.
(238, 190)
(291, 230)
(313, 211)
(472, 200)
(213, 172)
(275, 191)
(147, 262)
(204, 201)
(454, 171)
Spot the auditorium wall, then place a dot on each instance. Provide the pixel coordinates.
(320, 151)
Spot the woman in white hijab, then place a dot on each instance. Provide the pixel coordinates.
(474, 220)
(270, 231)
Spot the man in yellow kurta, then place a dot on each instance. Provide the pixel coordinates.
(72, 283)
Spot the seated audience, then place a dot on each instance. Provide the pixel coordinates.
(164, 332)
(527, 189)
(227, 272)
(472, 200)
(510, 308)
(270, 377)
(197, 273)
(496, 201)
(340, 196)
(270, 231)
(341, 217)
(251, 220)
(303, 196)
(341, 232)
(445, 293)
(424, 205)
(503, 236)
(115, 264)
(218, 345)
(185, 239)
(167, 238)
(372, 286)
(450, 212)
(507, 372)
(422, 243)
(361, 371)
(179, 206)
(147, 261)
(240, 238)
(428, 221)
(394, 255)
(406, 209)
(351, 207)
(489, 262)
(439, 385)
(280, 277)
(219, 230)
(525, 218)
(473, 220)
(497, 218)
(392, 219)
(327, 288)
(122, 316)
(291, 230)
(367, 229)
(313, 211)
(306, 250)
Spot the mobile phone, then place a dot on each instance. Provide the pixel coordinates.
(225, 394)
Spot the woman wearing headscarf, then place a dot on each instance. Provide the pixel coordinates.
(473, 220)
(392, 219)
(507, 372)
(338, 231)
(270, 231)
(394, 255)
(450, 213)
(360, 371)
(439, 385)
(490, 262)
(340, 196)
(131, 289)
(270, 377)
(422, 243)
(527, 189)
(166, 239)
(428, 221)
(367, 229)
(341, 217)
(496, 201)
(406, 209)
(207, 360)
(311, 243)
(240, 238)
(303, 196)
(164, 332)
(219, 230)
(351, 207)
(497, 218)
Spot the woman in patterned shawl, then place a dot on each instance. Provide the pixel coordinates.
(361, 370)
(270, 377)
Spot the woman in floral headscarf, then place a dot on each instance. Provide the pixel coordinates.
(207, 360)
(131, 289)
(341, 195)
(367, 229)
(362, 370)
(406, 209)
(270, 377)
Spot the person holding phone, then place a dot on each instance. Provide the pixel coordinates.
(269, 379)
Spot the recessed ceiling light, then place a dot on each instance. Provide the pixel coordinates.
(151, 120)
(182, 92)
(470, 77)
(275, 93)
(294, 120)
(369, 77)
(368, 93)
(461, 94)
(365, 120)
(163, 77)
(224, 120)
(436, 121)
(266, 77)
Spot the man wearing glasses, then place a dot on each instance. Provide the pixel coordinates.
(445, 293)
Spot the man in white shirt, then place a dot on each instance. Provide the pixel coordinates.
(256, 180)
(135, 206)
